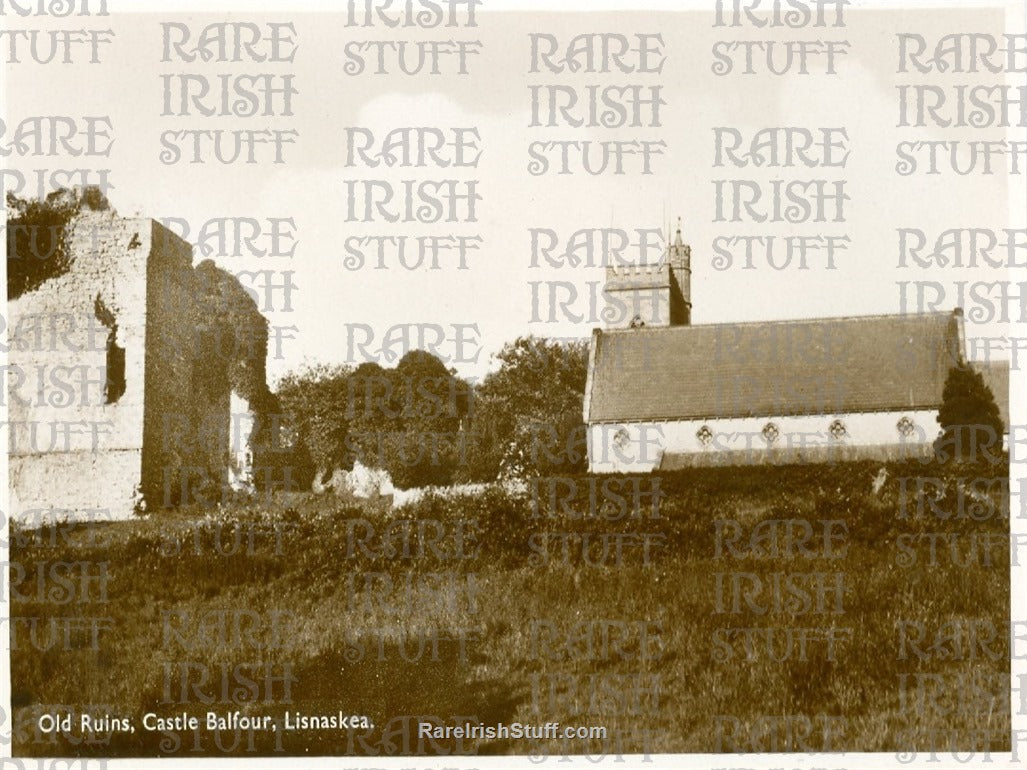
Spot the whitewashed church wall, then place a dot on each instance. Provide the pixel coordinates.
(638, 447)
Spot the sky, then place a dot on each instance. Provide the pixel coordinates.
(333, 302)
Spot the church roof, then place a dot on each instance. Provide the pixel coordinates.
(777, 368)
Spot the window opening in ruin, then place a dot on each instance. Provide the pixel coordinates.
(115, 385)
(115, 388)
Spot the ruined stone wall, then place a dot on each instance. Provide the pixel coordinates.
(77, 437)
(207, 341)
(126, 360)
(187, 395)
(235, 336)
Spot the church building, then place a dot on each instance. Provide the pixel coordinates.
(663, 394)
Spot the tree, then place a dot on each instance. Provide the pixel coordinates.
(314, 402)
(527, 415)
(37, 235)
(407, 420)
(969, 416)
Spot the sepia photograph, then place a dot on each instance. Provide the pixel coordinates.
(485, 384)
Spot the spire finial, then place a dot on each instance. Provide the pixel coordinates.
(677, 239)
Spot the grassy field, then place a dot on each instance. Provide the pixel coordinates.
(759, 609)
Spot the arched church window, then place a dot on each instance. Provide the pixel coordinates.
(770, 433)
(637, 322)
(838, 430)
(905, 427)
(621, 438)
(705, 435)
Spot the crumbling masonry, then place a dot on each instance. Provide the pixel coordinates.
(124, 366)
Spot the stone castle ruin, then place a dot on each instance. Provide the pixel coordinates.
(135, 378)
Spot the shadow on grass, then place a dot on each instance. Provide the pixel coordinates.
(396, 686)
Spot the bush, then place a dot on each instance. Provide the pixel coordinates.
(969, 418)
(37, 240)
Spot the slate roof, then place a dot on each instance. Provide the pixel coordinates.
(777, 368)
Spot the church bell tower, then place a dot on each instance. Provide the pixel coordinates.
(679, 258)
(650, 295)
